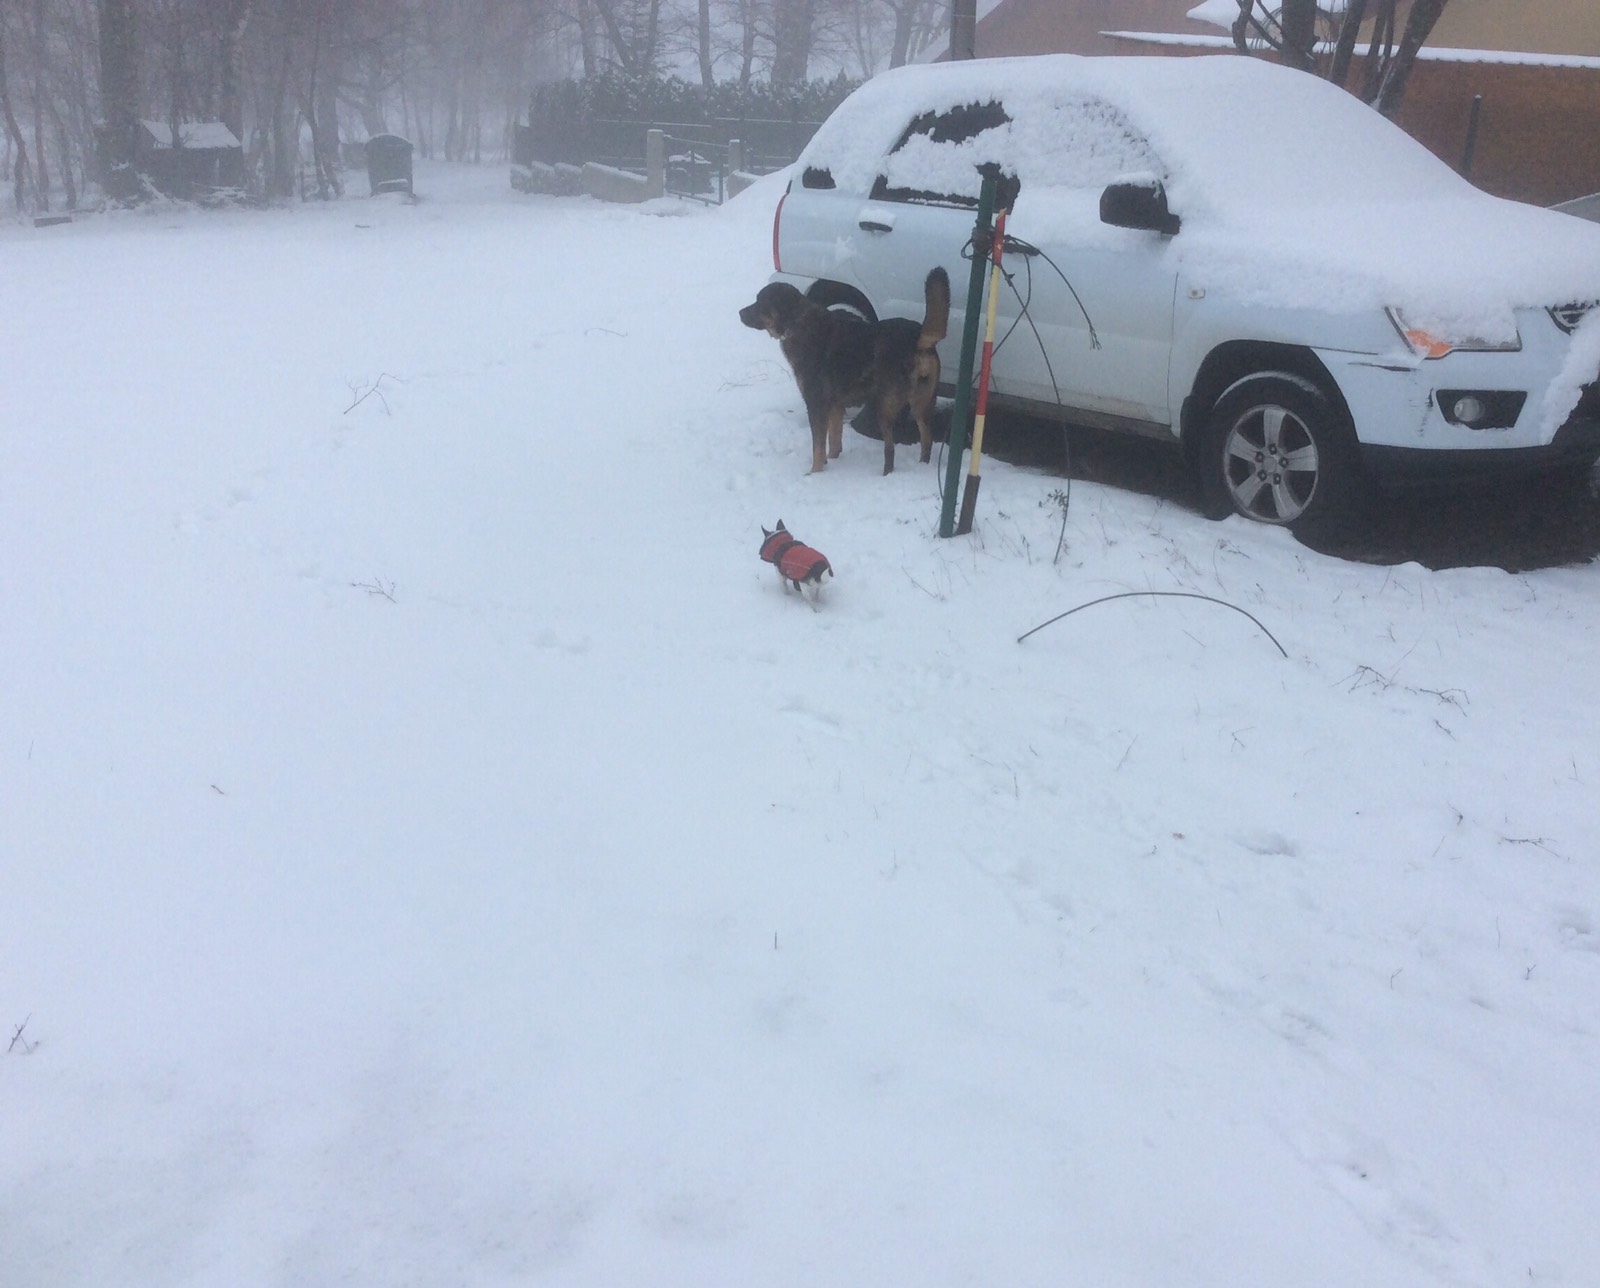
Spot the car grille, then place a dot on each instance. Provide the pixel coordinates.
(1567, 316)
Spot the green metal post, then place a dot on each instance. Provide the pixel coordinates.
(959, 414)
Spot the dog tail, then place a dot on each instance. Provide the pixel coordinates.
(936, 317)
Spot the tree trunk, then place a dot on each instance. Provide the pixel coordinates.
(69, 185)
(1345, 48)
(1240, 31)
(1379, 51)
(619, 42)
(20, 177)
(1419, 25)
(591, 63)
(281, 122)
(41, 168)
(747, 44)
(230, 67)
(708, 76)
(652, 36)
(327, 101)
(905, 14)
(1298, 26)
(792, 32)
(119, 100)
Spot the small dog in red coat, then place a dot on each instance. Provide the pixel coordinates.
(799, 566)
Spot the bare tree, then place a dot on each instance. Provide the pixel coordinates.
(235, 21)
(22, 180)
(793, 31)
(319, 105)
(1419, 26)
(1298, 25)
(119, 98)
(633, 30)
(708, 75)
(1294, 29)
(916, 24)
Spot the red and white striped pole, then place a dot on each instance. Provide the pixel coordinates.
(969, 496)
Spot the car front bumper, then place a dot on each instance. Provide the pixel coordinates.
(1576, 443)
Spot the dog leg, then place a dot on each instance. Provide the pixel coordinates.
(924, 398)
(835, 431)
(925, 429)
(819, 437)
(889, 410)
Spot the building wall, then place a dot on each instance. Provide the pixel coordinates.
(1531, 26)
(1074, 26)
(1539, 127)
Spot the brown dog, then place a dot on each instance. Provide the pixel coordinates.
(841, 360)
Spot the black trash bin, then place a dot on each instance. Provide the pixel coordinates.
(389, 164)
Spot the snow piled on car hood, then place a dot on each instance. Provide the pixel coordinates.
(1292, 192)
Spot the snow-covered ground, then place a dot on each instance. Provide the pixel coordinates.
(434, 850)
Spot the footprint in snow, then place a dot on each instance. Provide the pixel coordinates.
(1258, 842)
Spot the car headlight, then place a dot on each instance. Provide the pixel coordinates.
(1432, 342)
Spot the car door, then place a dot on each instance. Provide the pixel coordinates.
(1084, 315)
(1094, 309)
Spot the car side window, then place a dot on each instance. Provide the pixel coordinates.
(1069, 142)
(933, 135)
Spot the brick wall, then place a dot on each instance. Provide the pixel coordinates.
(1538, 130)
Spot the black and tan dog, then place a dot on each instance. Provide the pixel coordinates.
(841, 360)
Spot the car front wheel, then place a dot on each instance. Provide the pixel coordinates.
(1278, 451)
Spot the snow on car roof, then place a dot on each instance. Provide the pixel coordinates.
(1293, 193)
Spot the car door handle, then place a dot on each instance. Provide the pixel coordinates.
(875, 219)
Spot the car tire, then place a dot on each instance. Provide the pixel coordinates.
(1277, 450)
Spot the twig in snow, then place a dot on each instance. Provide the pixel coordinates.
(1537, 842)
(376, 587)
(368, 392)
(28, 1048)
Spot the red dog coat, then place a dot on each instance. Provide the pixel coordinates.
(797, 563)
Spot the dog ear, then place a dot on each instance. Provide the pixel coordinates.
(764, 532)
(780, 527)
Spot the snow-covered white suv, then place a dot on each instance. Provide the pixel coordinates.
(1219, 250)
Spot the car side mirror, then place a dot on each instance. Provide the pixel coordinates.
(1138, 203)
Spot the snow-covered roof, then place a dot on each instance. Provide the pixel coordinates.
(1426, 54)
(1292, 192)
(1224, 13)
(192, 134)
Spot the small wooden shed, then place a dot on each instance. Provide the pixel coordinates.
(202, 158)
